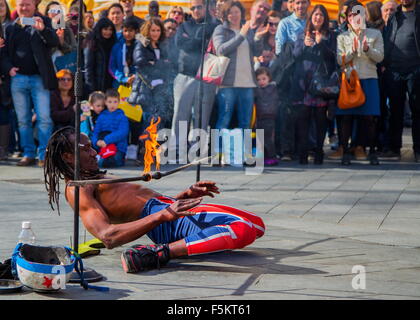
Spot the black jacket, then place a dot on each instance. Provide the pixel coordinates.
(97, 76)
(148, 68)
(390, 32)
(41, 43)
(188, 39)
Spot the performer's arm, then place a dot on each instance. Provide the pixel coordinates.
(97, 222)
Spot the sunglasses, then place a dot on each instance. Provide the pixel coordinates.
(177, 12)
(273, 24)
(196, 8)
(65, 79)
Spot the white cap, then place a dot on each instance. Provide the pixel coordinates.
(26, 224)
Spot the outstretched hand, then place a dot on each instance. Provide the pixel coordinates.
(179, 209)
(203, 188)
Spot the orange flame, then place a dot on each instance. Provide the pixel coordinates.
(151, 145)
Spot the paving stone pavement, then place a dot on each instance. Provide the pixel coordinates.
(321, 222)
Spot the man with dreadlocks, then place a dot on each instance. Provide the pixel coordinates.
(123, 212)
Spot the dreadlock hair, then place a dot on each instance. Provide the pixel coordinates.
(56, 168)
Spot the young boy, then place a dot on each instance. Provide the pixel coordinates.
(121, 64)
(267, 102)
(111, 132)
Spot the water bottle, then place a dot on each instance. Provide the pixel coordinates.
(26, 235)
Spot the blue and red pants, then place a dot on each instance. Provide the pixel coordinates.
(213, 228)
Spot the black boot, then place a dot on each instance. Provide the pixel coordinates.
(4, 141)
(319, 157)
(345, 161)
(373, 159)
(303, 159)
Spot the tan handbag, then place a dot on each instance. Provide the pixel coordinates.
(351, 91)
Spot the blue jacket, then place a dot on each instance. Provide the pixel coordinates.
(116, 67)
(117, 123)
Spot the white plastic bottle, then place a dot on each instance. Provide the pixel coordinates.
(26, 235)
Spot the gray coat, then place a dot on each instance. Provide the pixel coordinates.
(226, 43)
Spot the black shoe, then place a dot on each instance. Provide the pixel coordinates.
(373, 159)
(319, 158)
(303, 159)
(144, 257)
(390, 155)
(345, 161)
(416, 156)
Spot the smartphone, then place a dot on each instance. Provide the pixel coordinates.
(27, 21)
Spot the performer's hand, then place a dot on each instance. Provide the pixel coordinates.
(201, 189)
(179, 209)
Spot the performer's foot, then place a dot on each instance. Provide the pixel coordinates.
(144, 257)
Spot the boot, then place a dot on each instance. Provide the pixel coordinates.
(319, 157)
(303, 159)
(4, 141)
(345, 161)
(373, 159)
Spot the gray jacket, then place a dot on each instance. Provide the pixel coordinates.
(226, 42)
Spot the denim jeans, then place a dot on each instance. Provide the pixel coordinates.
(27, 88)
(229, 99)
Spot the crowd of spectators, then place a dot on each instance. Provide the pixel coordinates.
(274, 58)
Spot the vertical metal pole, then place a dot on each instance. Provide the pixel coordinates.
(200, 85)
(78, 88)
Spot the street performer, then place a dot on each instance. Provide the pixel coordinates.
(123, 212)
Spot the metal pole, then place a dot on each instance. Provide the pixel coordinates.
(200, 86)
(78, 88)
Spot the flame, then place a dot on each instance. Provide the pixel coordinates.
(152, 146)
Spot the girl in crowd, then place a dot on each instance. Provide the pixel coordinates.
(364, 48)
(235, 40)
(176, 13)
(269, 42)
(314, 49)
(73, 22)
(116, 15)
(97, 55)
(5, 19)
(65, 35)
(150, 87)
(63, 100)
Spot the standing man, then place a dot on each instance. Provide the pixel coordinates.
(287, 32)
(402, 74)
(388, 9)
(186, 96)
(259, 14)
(128, 6)
(27, 59)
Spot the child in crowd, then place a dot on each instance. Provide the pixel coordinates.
(111, 132)
(91, 111)
(267, 102)
(121, 64)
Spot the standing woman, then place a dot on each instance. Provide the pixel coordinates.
(176, 13)
(235, 40)
(365, 48)
(116, 15)
(5, 19)
(97, 54)
(269, 40)
(150, 88)
(63, 101)
(314, 50)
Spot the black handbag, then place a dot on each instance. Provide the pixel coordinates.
(323, 84)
